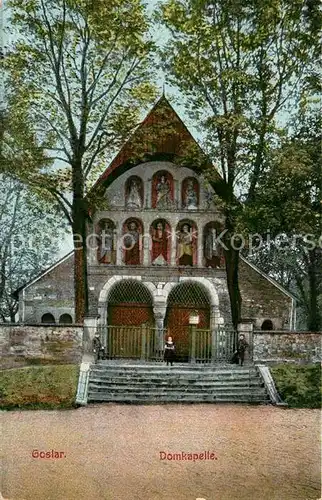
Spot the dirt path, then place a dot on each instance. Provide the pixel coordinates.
(113, 452)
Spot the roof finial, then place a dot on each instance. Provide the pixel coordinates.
(163, 89)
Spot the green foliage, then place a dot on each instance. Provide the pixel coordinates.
(80, 70)
(299, 385)
(238, 64)
(288, 203)
(290, 190)
(81, 76)
(39, 387)
(30, 231)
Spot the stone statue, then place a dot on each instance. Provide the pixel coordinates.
(185, 248)
(134, 200)
(212, 251)
(132, 245)
(163, 189)
(190, 201)
(159, 245)
(106, 253)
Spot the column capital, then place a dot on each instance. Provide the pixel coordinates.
(159, 311)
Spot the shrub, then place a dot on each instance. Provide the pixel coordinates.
(299, 385)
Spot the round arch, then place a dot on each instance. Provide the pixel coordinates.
(48, 318)
(107, 289)
(184, 298)
(130, 303)
(65, 319)
(206, 284)
(267, 325)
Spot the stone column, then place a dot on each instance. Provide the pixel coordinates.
(173, 247)
(215, 321)
(148, 197)
(159, 315)
(118, 246)
(199, 248)
(146, 242)
(90, 328)
(177, 194)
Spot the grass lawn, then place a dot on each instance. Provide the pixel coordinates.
(299, 385)
(39, 387)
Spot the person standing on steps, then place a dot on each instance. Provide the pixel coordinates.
(169, 351)
(98, 349)
(241, 348)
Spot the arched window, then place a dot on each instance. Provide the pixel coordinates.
(48, 318)
(65, 319)
(267, 325)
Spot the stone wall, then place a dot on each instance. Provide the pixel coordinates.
(53, 293)
(47, 344)
(263, 300)
(287, 347)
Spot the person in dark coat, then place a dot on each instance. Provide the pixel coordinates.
(169, 351)
(235, 359)
(97, 348)
(241, 348)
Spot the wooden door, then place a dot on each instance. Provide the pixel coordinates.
(177, 324)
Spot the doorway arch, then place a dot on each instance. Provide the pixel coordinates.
(129, 302)
(183, 299)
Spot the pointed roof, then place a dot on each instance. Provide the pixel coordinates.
(161, 134)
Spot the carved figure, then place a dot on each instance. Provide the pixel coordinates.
(134, 196)
(212, 250)
(190, 199)
(185, 246)
(106, 253)
(132, 245)
(163, 189)
(159, 245)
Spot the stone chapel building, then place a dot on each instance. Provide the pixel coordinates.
(156, 259)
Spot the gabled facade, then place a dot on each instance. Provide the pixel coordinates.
(152, 252)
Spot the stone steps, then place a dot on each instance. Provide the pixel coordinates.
(172, 369)
(179, 398)
(164, 391)
(113, 383)
(154, 383)
(102, 365)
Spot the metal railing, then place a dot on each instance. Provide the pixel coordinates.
(145, 343)
(224, 344)
(203, 346)
(133, 342)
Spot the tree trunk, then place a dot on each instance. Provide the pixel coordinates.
(232, 261)
(314, 263)
(232, 267)
(80, 254)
